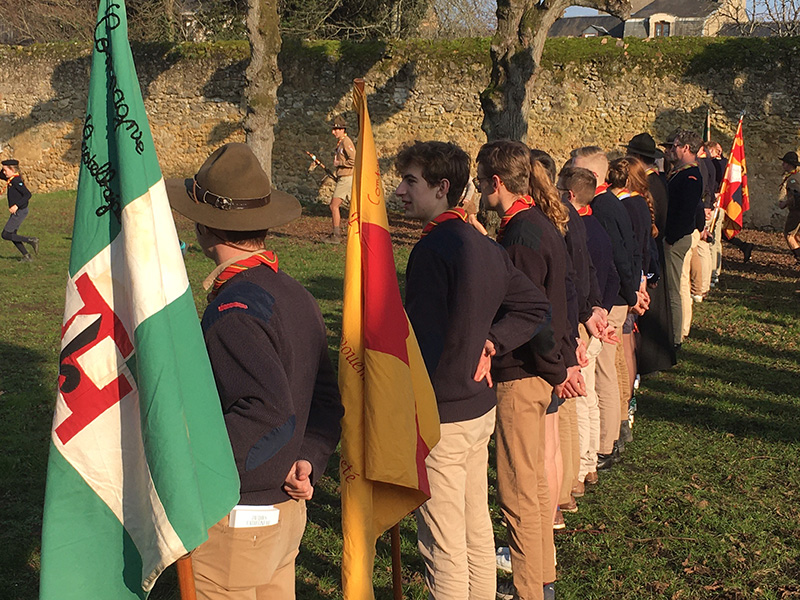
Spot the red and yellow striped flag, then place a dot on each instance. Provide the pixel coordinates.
(391, 421)
(734, 196)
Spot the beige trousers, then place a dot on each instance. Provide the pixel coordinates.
(454, 529)
(522, 482)
(607, 385)
(702, 266)
(623, 377)
(570, 448)
(250, 563)
(716, 249)
(679, 257)
(588, 411)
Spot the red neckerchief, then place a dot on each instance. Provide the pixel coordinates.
(601, 188)
(681, 168)
(265, 257)
(448, 215)
(783, 183)
(585, 211)
(520, 204)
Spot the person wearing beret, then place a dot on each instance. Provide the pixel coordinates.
(269, 353)
(790, 189)
(18, 197)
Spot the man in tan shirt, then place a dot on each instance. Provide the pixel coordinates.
(344, 159)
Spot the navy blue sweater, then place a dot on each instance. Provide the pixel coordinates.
(685, 190)
(18, 193)
(602, 254)
(461, 289)
(608, 210)
(537, 249)
(280, 397)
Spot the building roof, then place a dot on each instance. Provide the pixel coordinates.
(576, 26)
(678, 8)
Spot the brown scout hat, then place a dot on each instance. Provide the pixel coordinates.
(790, 158)
(339, 123)
(232, 192)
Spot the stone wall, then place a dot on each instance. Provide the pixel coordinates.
(588, 92)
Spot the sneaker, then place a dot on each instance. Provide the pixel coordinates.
(558, 522)
(503, 559)
(506, 590)
(747, 251)
(625, 432)
(26, 258)
(34, 243)
(697, 298)
(549, 591)
(333, 238)
(578, 490)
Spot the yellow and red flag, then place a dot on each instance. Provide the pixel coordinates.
(734, 197)
(391, 421)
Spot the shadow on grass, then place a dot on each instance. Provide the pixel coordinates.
(733, 409)
(26, 414)
(733, 348)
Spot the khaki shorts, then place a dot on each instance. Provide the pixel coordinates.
(343, 189)
(792, 226)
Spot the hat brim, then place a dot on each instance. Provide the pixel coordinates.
(794, 163)
(281, 209)
(655, 154)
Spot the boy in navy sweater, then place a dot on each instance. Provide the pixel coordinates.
(466, 303)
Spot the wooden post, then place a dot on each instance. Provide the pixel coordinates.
(186, 578)
(397, 563)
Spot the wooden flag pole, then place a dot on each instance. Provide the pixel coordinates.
(397, 564)
(186, 578)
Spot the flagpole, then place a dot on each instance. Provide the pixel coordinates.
(397, 564)
(186, 578)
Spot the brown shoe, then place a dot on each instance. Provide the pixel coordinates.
(591, 478)
(333, 238)
(570, 507)
(558, 523)
(578, 490)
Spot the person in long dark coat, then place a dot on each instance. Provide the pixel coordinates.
(655, 350)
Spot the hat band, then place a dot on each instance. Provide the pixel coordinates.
(203, 196)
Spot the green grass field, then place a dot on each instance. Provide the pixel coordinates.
(704, 505)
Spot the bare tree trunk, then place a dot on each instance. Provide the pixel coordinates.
(169, 12)
(522, 27)
(263, 79)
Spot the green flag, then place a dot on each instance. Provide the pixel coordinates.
(140, 462)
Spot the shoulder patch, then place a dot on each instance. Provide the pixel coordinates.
(245, 297)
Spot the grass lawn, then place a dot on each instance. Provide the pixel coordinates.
(704, 505)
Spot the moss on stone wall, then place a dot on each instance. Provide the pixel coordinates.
(609, 56)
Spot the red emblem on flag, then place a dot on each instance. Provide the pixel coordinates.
(82, 396)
